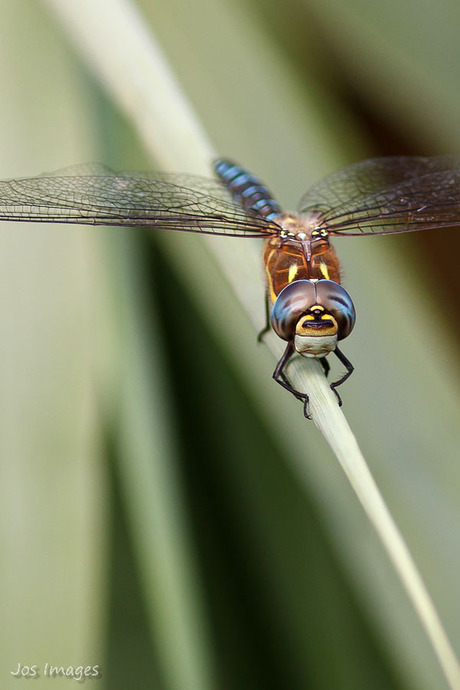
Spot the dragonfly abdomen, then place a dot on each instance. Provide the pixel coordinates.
(247, 189)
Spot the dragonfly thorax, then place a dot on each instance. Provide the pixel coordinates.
(300, 251)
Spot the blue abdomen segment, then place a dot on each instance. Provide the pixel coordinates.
(247, 189)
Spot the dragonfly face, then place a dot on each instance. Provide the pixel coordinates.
(308, 307)
(314, 315)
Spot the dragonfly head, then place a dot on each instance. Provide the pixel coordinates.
(314, 315)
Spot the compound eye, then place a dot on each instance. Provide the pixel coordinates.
(293, 301)
(336, 300)
(323, 303)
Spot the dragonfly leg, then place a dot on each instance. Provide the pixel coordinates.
(326, 366)
(281, 378)
(349, 367)
(267, 327)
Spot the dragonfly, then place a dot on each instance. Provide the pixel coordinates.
(306, 304)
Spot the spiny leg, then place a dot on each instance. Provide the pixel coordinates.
(281, 378)
(349, 367)
(267, 326)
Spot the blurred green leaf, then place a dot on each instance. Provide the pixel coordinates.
(231, 544)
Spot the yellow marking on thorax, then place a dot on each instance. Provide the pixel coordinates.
(293, 268)
(323, 269)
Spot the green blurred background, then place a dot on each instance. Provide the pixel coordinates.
(166, 511)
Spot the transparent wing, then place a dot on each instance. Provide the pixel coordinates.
(388, 195)
(93, 194)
